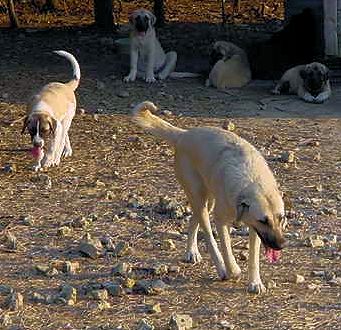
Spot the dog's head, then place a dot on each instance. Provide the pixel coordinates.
(218, 52)
(40, 127)
(315, 75)
(265, 214)
(142, 20)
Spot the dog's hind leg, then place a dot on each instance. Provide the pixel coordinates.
(225, 240)
(171, 58)
(255, 282)
(198, 197)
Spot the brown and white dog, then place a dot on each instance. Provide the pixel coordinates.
(49, 116)
(147, 57)
(310, 82)
(229, 66)
(221, 171)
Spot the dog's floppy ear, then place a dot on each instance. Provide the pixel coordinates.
(52, 124)
(152, 19)
(303, 73)
(24, 125)
(242, 206)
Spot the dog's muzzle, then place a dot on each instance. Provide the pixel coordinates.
(275, 242)
(141, 23)
(37, 141)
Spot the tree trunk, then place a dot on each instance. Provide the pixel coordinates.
(103, 14)
(159, 12)
(12, 15)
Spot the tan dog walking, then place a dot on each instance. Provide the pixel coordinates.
(220, 170)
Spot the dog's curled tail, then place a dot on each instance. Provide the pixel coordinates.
(143, 116)
(74, 82)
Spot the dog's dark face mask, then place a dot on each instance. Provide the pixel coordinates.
(142, 23)
(314, 79)
(214, 57)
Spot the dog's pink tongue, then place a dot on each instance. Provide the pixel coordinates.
(36, 152)
(272, 255)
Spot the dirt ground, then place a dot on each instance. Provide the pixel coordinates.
(112, 155)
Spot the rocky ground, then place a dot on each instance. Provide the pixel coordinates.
(98, 243)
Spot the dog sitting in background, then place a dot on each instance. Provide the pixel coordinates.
(49, 116)
(147, 58)
(310, 82)
(230, 66)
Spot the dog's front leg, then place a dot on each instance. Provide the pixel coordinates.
(305, 95)
(150, 64)
(255, 283)
(134, 55)
(225, 240)
(50, 157)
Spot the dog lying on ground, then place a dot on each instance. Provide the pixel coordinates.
(229, 66)
(310, 82)
(221, 171)
(147, 58)
(49, 116)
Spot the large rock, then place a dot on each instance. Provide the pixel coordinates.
(180, 322)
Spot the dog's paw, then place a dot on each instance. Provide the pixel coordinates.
(150, 80)
(276, 91)
(161, 76)
(321, 97)
(67, 152)
(129, 78)
(256, 287)
(193, 257)
(235, 273)
(308, 98)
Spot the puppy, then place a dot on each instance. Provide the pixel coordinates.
(310, 82)
(49, 116)
(221, 171)
(229, 66)
(147, 58)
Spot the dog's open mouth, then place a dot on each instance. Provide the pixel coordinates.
(272, 255)
(36, 152)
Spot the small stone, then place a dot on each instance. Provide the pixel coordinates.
(150, 287)
(159, 269)
(298, 279)
(122, 269)
(287, 157)
(38, 297)
(123, 94)
(27, 220)
(312, 286)
(229, 126)
(226, 325)
(168, 245)
(101, 305)
(128, 283)
(44, 270)
(82, 222)
(153, 308)
(64, 231)
(70, 267)
(14, 301)
(67, 295)
(6, 289)
(315, 241)
(318, 273)
(9, 168)
(90, 247)
(5, 320)
(10, 240)
(330, 239)
(99, 294)
(81, 111)
(95, 117)
(335, 281)
(115, 290)
(144, 325)
(180, 322)
(109, 195)
(122, 248)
